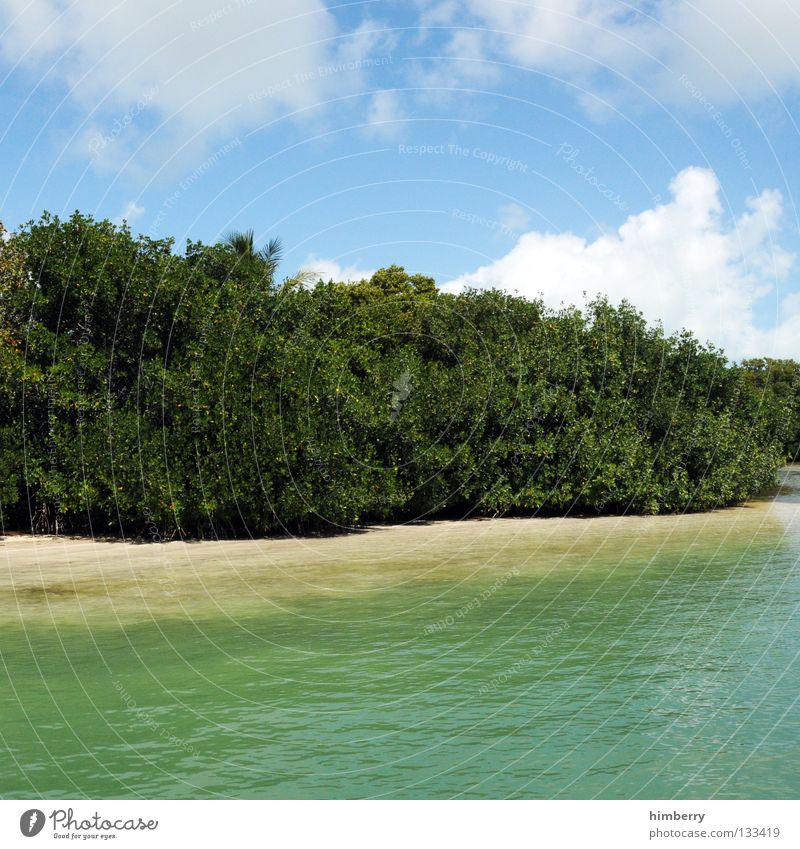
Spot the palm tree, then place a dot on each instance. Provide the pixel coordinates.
(243, 243)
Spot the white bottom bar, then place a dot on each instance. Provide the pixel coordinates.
(402, 825)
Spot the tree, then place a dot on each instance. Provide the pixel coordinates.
(13, 283)
(144, 391)
(778, 385)
(268, 258)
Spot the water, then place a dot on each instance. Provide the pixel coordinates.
(600, 658)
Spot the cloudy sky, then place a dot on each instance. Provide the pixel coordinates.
(645, 149)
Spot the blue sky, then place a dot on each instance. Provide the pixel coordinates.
(646, 150)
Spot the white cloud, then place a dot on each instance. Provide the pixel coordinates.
(385, 115)
(727, 48)
(514, 217)
(680, 262)
(330, 269)
(208, 67)
(130, 213)
(734, 45)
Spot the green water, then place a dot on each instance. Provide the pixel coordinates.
(665, 666)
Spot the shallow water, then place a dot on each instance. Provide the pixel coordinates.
(610, 657)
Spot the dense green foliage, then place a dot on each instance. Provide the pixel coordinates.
(781, 380)
(146, 392)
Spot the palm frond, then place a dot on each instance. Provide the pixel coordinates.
(272, 255)
(301, 278)
(242, 241)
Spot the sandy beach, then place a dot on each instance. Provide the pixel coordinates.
(48, 577)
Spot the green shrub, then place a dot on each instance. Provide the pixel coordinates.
(145, 392)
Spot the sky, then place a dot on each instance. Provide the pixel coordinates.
(644, 150)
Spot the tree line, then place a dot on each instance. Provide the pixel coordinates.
(147, 392)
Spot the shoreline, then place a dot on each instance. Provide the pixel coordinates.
(767, 497)
(77, 580)
(48, 579)
(377, 527)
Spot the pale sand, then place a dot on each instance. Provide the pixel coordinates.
(60, 579)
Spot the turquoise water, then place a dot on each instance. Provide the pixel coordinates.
(669, 672)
